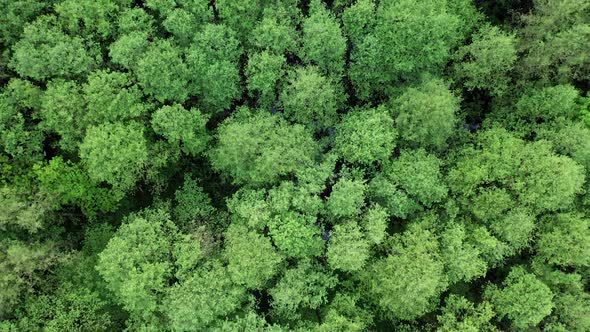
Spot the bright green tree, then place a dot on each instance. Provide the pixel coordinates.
(259, 148)
(348, 249)
(183, 128)
(323, 42)
(426, 115)
(203, 298)
(488, 60)
(407, 283)
(305, 286)
(523, 299)
(115, 153)
(310, 99)
(366, 136)
(162, 73)
(252, 259)
(45, 51)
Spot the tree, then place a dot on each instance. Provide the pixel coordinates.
(19, 136)
(462, 258)
(265, 72)
(69, 184)
(212, 67)
(191, 203)
(205, 296)
(112, 97)
(366, 136)
(425, 115)
(252, 259)
(14, 17)
(162, 73)
(348, 250)
(115, 153)
(62, 108)
(461, 315)
(136, 263)
(296, 235)
(565, 241)
(305, 286)
(90, 19)
(489, 60)
(419, 174)
(276, 32)
(409, 38)
(129, 48)
(358, 20)
(323, 42)
(44, 52)
(182, 128)
(389, 195)
(241, 17)
(347, 198)
(551, 41)
(519, 167)
(259, 148)
(374, 223)
(250, 207)
(524, 299)
(406, 283)
(310, 99)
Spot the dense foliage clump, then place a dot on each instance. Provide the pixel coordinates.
(294, 165)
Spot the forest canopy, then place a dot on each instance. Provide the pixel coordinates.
(295, 165)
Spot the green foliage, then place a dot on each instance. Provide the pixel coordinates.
(489, 59)
(89, 18)
(21, 268)
(409, 38)
(206, 295)
(135, 263)
(182, 128)
(358, 20)
(264, 72)
(425, 115)
(520, 168)
(462, 258)
(161, 72)
(323, 42)
(296, 235)
(287, 165)
(275, 32)
(259, 148)
(19, 138)
(406, 283)
(211, 61)
(310, 99)
(252, 260)
(305, 286)
(68, 183)
(419, 174)
(347, 198)
(461, 315)
(14, 17)
(348, 249)
(366, 136)
(111, 97)
(561, 26)
(191, 203)
(115, 153)
(524, 299)
(62, 107)
(374, 223)
(566, 241)
(44, 52)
